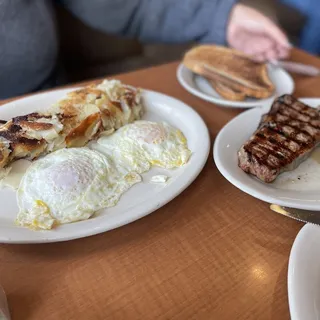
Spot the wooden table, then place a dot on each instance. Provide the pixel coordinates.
(214, 252)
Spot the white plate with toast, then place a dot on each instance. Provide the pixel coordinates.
(299, 188)
(141, 199)
(201, 87)
(304, 275)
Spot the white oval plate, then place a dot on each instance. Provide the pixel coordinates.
(201, 88)
(141, 199)
(297, 189)
(304, 275)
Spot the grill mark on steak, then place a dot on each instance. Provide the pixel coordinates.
(291, 133)
(288, 112)
(287, 133)
(271, 142)
(262, 148)
(312, 127)
(299, 106)
(293, 114)
(276, 137)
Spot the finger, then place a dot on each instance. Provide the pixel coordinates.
(252, 44)
(241, 43)
(274, 32)
(283, 53)
(264, 45)
(256, 53)
(272, 54)
(259, 57)
(259, 44)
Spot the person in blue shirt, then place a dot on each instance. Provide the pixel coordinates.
(29, 44)
(310, 35)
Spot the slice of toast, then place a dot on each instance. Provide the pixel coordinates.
(225, 87)
(249, 77)
(226, 92)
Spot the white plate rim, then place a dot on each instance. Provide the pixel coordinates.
(141, 210)
(227, 103)
(302, 239)
(299, 204)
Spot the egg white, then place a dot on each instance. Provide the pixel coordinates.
(70, 185)
(144, 144)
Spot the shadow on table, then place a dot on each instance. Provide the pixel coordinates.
(23, 299)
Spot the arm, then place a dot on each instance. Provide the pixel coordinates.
(157, 20)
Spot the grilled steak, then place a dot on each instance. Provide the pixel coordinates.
(285, 137)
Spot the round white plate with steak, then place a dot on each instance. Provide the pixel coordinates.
(272, 152)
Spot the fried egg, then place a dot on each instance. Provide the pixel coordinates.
(70, 185)
(144, 144)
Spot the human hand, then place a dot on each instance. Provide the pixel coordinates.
(253, 33)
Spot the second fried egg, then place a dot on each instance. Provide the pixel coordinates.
(144, 144)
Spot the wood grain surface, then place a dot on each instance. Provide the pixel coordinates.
(214, 252)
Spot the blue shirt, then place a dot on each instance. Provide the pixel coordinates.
(310, 36)
(29, 42)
